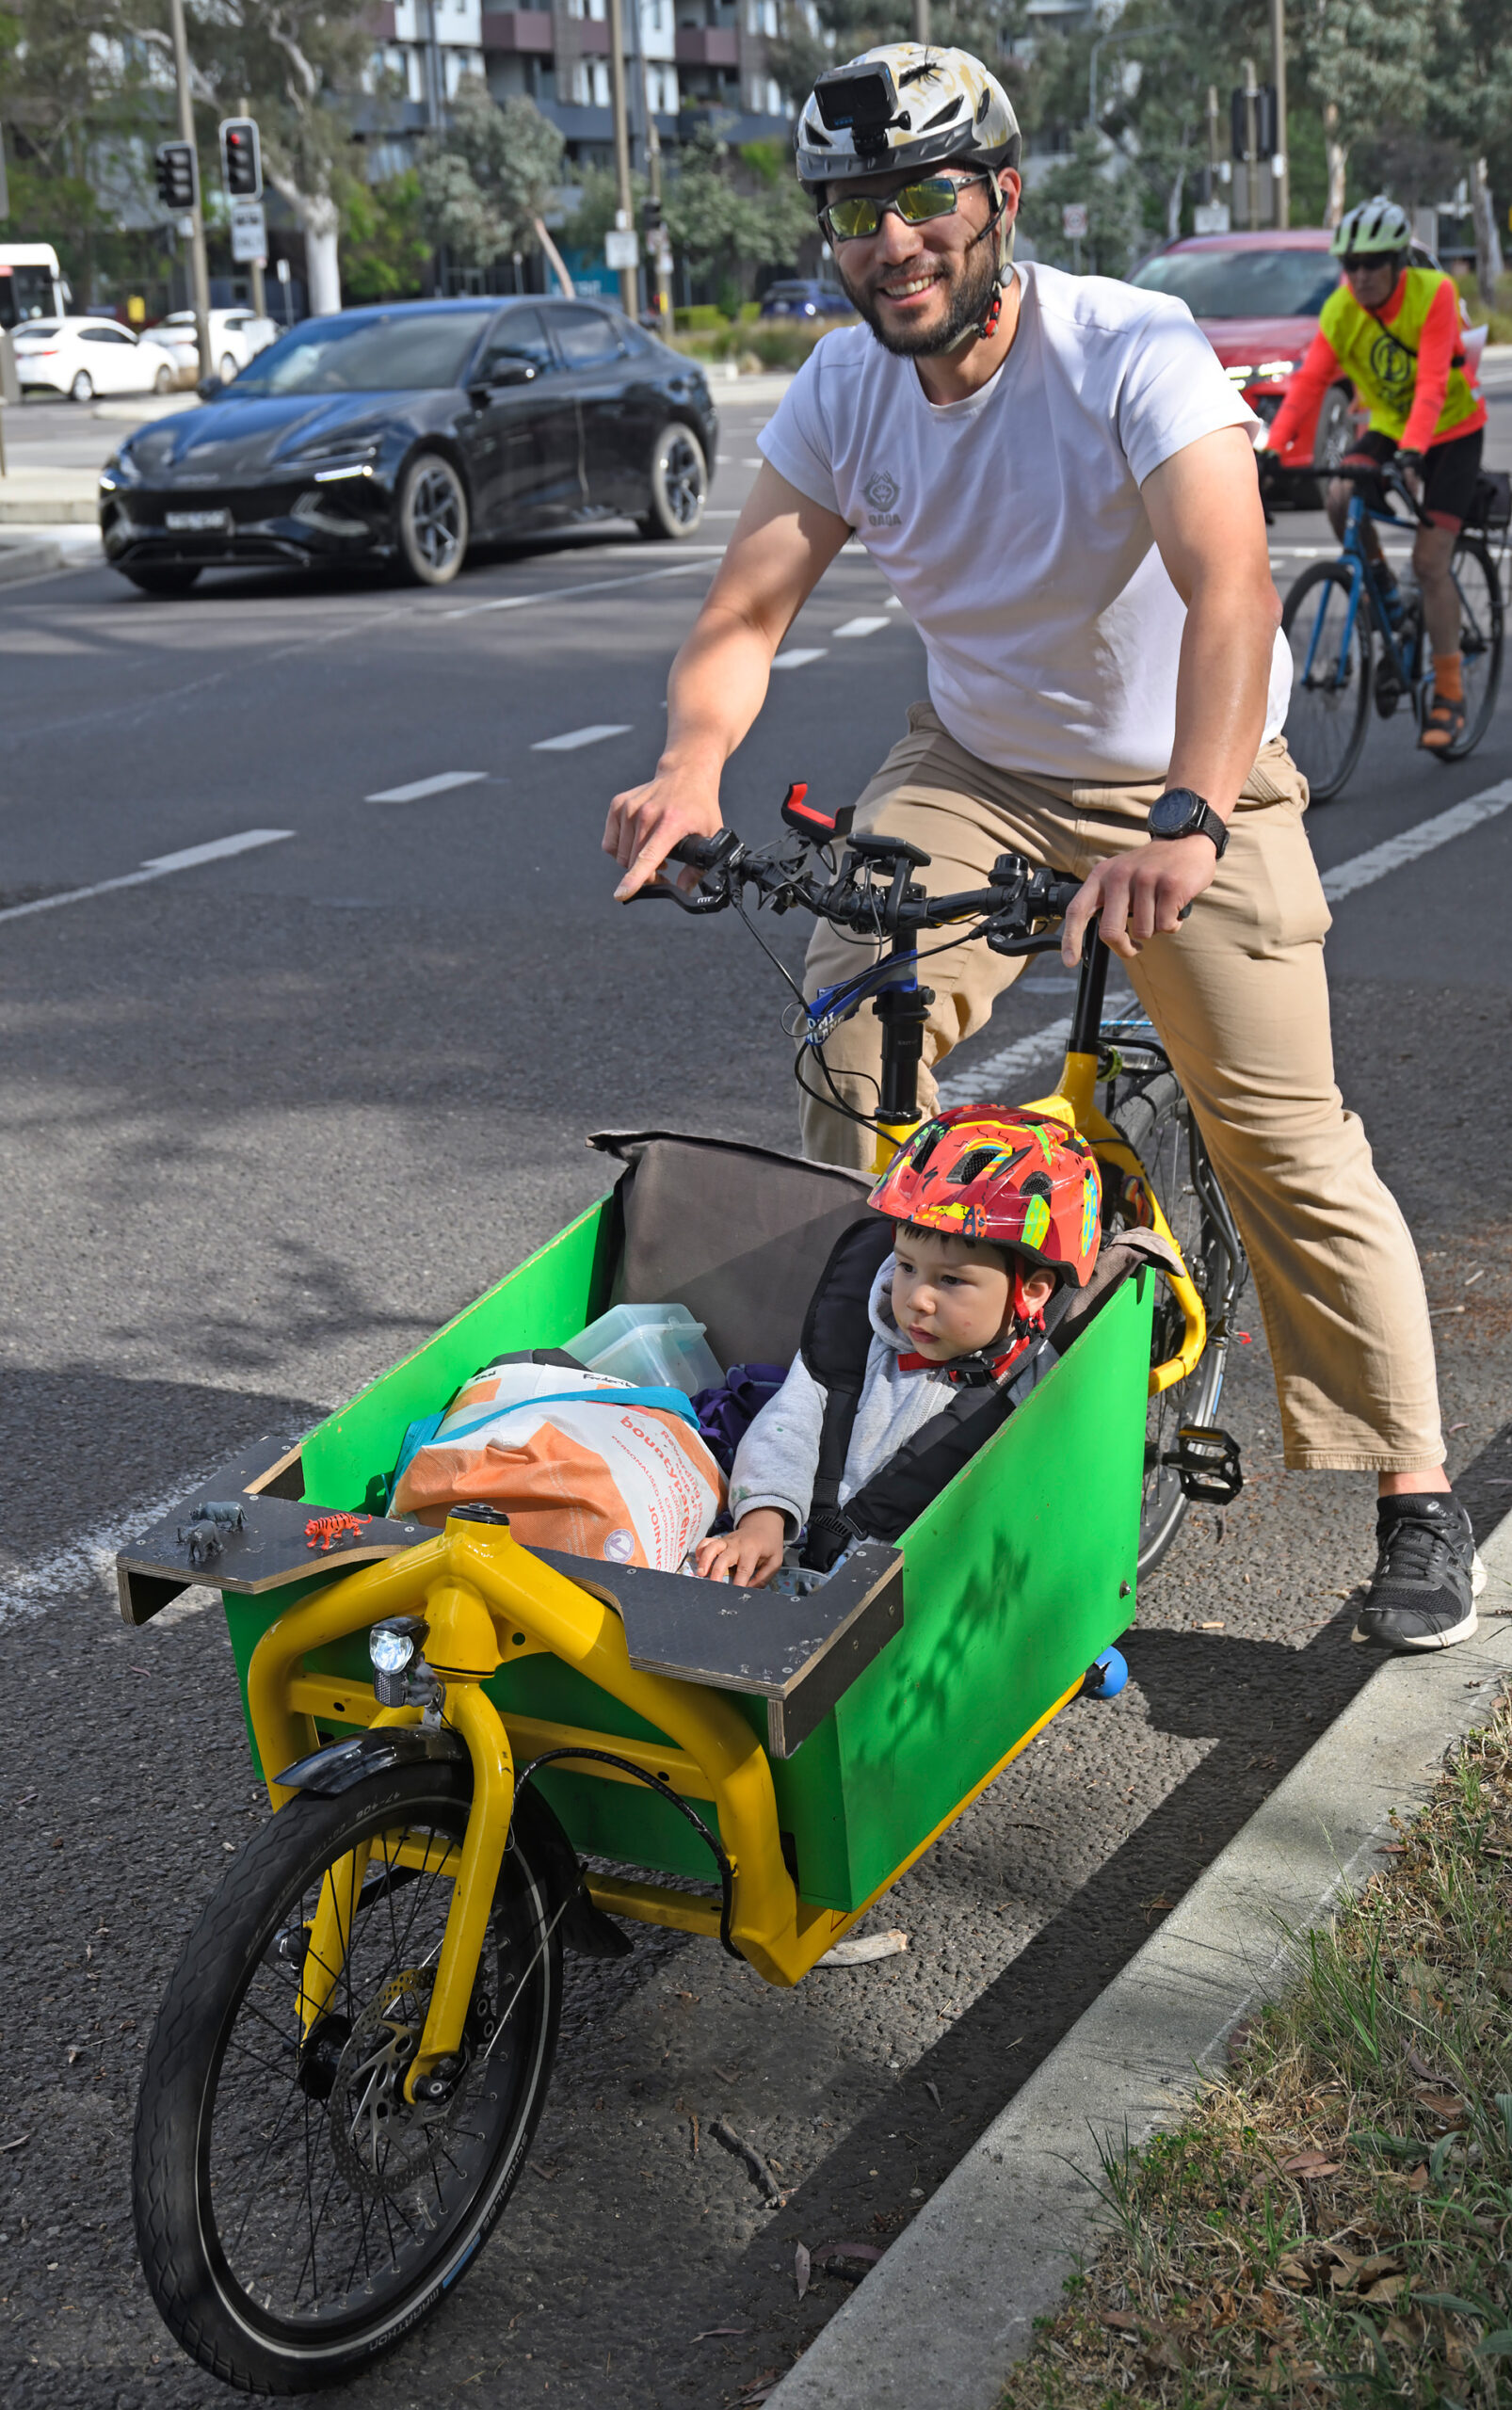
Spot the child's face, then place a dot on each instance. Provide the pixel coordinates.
(950, 1298)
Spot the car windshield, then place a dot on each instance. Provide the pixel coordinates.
(420, 348)
(1243, 283)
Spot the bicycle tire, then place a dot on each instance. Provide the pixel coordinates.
(1151, 1113)
(1481, 637)
(1326, 724)
(228, 2298)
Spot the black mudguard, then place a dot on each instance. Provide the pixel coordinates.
(342, 1764)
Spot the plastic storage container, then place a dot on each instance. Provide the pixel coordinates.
(655, 1347)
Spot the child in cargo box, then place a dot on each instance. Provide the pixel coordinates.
(993, 1210)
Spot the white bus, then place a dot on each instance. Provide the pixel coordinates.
(31, 284)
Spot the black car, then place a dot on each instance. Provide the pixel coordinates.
(401, 433)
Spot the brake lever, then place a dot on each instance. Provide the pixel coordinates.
(662, 890)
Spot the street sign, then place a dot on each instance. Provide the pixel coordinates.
(621, 247)
(1211, 218)
(248, 233)
(1073, 221)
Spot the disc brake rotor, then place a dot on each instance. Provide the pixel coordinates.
(380, 2139)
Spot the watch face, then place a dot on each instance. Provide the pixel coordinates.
(1175, 814)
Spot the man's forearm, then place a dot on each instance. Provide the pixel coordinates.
(1222, 689)
(717, 685)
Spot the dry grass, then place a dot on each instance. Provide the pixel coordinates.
(1331, 2227)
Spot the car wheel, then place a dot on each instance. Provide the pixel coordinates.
(228, 368)
(82, 389)
(679, 486)
(166, 580)
(166, 379)
(433, 521)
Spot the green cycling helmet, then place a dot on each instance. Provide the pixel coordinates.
(1376, 229)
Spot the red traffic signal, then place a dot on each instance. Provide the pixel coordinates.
(241, 158)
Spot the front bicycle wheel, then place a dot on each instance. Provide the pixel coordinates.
(1151, 1113)
(1329, 633)
(296, 2216)
(1479, 588)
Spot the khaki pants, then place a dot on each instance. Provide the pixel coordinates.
(1239, 997)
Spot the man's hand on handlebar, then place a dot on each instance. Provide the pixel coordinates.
(645, 822)
(1139, 895)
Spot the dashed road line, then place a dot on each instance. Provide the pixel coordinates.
(191, 856)
(588, 586)
(419, 788)
(861, 627)
(801, 656)
(577, 736)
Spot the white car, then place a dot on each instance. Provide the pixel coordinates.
(235, 336)
(82, 357)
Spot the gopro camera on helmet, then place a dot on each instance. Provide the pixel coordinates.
(858, 100)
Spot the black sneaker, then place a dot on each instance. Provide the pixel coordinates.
(1427, 1576)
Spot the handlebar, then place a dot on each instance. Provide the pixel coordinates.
(1384, 474)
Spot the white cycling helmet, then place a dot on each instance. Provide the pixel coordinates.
(903, 104)
(1376, 229)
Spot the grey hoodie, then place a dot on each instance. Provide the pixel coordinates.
(777, 1460)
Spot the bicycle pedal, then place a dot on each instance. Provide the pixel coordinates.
(1206, 1461)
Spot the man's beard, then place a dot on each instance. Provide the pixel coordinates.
(968, 306)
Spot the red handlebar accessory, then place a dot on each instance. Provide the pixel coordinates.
(809, 821)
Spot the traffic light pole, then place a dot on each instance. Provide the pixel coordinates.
(1277, 68)
(259, 289)
(629, 277)
(199, 262)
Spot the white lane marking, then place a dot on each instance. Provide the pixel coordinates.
(162, 867)
(978, 1082)
(81, 1564)
(893, 603)
(863, 627)
(576, 737)
(419, 788)
(721, 514)
(590, 585)
(801, 656)
(1365, 869)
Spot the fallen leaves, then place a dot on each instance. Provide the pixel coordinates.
(1310, 2163)
(756, 2166)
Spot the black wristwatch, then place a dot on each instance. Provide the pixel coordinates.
(1179, 813)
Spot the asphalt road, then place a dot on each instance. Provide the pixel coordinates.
(269, 1119)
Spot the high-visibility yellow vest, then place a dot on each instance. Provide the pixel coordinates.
(1382, 360)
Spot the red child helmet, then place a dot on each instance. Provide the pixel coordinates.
(983, 1171)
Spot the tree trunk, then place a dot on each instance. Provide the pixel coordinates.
(1487, 240)
(318, 213)
(1336, 154)
(1173, 205)
(555, 258)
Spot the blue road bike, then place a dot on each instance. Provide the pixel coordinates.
(1339, 612)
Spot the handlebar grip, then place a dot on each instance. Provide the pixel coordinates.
(701, 853)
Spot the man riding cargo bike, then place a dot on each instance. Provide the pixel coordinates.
(1394, 330)
(1058, 480)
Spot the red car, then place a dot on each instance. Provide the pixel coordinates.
(1257, 298)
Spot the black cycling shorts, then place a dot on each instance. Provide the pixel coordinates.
(1449, 474)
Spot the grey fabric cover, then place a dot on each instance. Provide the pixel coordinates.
(738, 1235)
(1119, 1258)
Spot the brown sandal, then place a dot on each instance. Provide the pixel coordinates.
(1443, 724)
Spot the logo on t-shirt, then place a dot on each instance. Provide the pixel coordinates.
(1394, 366)
(882, 492)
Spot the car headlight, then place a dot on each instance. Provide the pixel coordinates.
(1269, 368)
(348, 458)
(119, 470)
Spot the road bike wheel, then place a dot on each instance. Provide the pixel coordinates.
(295, 2215)
(1480, 640)
(1152, 1113)
(1325, 725)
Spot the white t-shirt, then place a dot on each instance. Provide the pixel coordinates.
(1011, 527)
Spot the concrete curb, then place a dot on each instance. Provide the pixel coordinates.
(944, 2317)
(28, 561)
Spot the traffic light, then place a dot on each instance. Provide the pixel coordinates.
(651, 214)
(1266, 121)
(178, 178)
(241, 158)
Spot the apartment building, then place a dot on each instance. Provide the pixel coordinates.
(680, 56)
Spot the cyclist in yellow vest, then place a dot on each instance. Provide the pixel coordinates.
(1394, 332)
